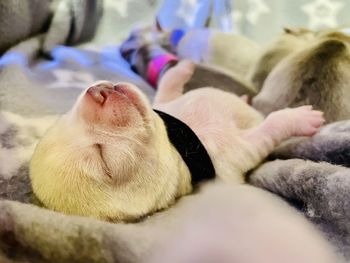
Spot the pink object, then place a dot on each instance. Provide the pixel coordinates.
(156, 65)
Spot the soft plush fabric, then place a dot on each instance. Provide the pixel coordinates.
(331, 144)
(320, 188)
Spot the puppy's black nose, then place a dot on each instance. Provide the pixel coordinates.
(100, 92)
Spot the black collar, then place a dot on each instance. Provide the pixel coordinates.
(189, 147)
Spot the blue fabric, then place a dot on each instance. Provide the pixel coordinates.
(176, 36)
(259, 20)
(188, 14)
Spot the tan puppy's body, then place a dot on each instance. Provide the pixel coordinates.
(110, 156)
(292, 40)
(233, 52)
(317, 74)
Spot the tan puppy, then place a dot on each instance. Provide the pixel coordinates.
(291, 40)
(318, 74)
(110, 156)
(235, 53)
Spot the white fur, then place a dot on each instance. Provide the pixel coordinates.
(115, 162)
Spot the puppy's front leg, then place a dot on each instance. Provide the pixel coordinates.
(279, 126)
(171, 85)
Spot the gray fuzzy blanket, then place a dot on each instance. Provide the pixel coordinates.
(320, 188)
(311, 173)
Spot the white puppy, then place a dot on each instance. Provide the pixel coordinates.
(110, 156)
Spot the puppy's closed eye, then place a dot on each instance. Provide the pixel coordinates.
(99, 149)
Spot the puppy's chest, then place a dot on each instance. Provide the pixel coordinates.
(212, 127)
(211, 117)
(205, 110)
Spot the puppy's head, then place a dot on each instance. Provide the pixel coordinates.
(102, 154)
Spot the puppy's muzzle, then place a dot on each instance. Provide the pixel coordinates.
(100, 92)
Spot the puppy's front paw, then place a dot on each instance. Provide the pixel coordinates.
(307, 121)
(185, 69)
(180, 74)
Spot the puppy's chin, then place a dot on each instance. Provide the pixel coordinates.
(112, 106)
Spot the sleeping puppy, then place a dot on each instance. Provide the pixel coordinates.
(235, 54)
(111, 157)
(148, 48)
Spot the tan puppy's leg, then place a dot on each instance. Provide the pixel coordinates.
(283, 124)
(171, 85)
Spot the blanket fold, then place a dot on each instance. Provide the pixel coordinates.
(32, 234)
(61, 21)
(22, 19)
(331, 144)
(73, 22)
